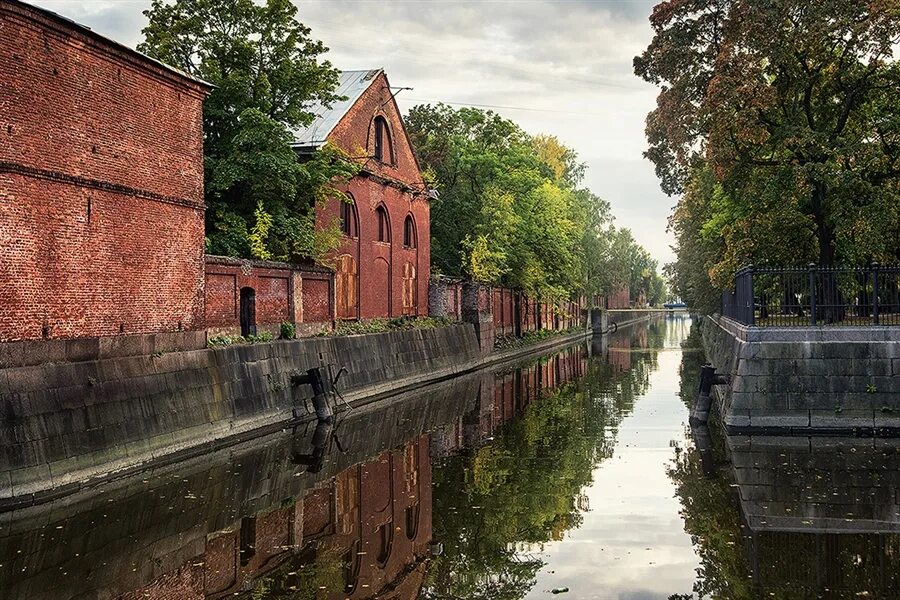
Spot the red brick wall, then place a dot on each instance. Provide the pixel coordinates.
(223, 294)
(380, 287)
(101, 186)
(620, 299)
(283, 294)
(316, 300)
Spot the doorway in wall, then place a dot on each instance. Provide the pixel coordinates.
(248, 311)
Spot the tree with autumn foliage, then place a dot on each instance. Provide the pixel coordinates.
(778, 121)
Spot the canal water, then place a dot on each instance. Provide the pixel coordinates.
(571, 475)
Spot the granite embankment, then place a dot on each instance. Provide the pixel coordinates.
(806, 379)
(67, 425)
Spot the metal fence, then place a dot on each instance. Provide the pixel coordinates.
(814, 296)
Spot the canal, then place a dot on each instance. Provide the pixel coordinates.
(573, 474)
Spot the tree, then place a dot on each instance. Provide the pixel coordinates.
(793, 105)
(266, 71)
(514, 206)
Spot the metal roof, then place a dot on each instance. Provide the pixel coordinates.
(66, 21)
(351, 85)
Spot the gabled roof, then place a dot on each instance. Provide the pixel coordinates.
(351, 85)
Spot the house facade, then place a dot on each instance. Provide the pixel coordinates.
(101, 185)
(382, 266)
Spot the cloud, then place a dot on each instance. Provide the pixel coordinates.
(559, 67)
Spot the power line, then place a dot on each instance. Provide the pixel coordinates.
(507, 107)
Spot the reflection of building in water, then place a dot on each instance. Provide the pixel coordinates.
(375, 517)
(503, 396)
(822, 514)
(620, 352)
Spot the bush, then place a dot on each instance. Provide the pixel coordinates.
(220, 341)
(288, 331)
(382, 325)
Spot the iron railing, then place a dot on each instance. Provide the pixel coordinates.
(814, 296)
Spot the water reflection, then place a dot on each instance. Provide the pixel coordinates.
(574, 470)
(792, 517)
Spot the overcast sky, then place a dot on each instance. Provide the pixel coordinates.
(561, 67)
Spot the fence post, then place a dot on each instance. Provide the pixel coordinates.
(812, 294)
(752, 318)
(875, 293)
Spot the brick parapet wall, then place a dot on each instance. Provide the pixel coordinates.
(298, 294)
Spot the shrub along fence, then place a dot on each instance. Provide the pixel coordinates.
(814, 296)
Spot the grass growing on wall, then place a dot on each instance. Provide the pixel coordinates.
(384, 325)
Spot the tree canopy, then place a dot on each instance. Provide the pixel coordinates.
(267, 71)
(512, 209)
(778, 122)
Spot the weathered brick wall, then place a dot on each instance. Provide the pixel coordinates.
(101, 185)
(317, 302)
(284, 293)
(445, 298)
(400, 189)
(620, 299)
(224, 280)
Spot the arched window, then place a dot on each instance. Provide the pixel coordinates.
(384, 147)
(409, 232)
(384, 224)
(349, 219)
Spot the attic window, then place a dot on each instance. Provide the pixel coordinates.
(384, 147)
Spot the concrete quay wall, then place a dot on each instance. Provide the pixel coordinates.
(833, 380)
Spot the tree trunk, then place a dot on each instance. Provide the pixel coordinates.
(830, 300)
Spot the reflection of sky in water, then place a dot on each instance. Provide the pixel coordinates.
(632, 544)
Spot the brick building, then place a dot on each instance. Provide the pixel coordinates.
(101, 184)
(383, 264)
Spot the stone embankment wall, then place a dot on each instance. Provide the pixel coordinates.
(807, 379)
(71, 424)
(624, 317)
(65, 424)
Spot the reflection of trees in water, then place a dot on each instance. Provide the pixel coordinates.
(713, 521)
(496, 504)
(739, 564)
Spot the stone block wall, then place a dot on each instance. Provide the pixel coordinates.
(828, 379)
(67, 423)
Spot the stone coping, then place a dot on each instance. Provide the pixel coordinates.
(746, 333)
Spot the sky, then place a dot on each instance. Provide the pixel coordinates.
(561, 67)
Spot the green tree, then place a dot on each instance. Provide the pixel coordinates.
(511, 210)
(266, 71)
(793, 105)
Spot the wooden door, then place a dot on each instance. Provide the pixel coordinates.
(410, 289)
(346, 286)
